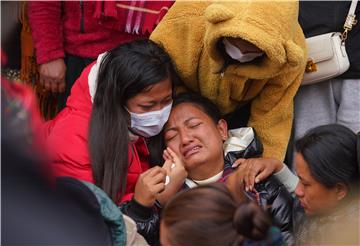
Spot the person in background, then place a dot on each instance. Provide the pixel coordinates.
(209, 215)
(69, 35)
(240, 53)
(335, 101)
(327, 187)
(102, 136)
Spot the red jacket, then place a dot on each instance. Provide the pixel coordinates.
(89, 28)
(67, 134)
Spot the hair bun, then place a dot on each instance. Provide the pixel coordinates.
(251, 221)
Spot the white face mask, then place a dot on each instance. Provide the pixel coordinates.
(236, 54)
(151, 123)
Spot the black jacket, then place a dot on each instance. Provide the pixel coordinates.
(273, 195)
(147, 220)
(279, 203)
(319, 17)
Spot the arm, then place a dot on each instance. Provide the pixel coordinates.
(141, 207)
(47, 30)
(176, 173)
(146, 219)
(272, 111)
(47, 33)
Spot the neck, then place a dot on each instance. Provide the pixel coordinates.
(206, 170)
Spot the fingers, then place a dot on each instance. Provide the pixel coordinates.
(166, 155)
(167, 165)
(62, 86)
(52, 85)
(238, 162)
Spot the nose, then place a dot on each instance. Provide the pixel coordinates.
(299, 192)
(185, 138)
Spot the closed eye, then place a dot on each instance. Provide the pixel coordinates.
(170, 135)
(146, 107)
(194, 125)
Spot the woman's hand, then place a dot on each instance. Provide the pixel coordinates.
(254, 170)
(174, 166)
(149, 185)
(176, 175)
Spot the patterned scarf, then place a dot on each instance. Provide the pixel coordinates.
(141, 17)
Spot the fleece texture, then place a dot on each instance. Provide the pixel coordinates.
(191, 33)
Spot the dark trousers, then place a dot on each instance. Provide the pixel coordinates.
(74, 66)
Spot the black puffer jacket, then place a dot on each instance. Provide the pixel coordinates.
(318, 17)
(279, 203)
(273, 195)
(147, 220)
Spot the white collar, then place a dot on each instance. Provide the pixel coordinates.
(93, 74)
(193, 183)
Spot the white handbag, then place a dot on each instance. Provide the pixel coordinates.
(327, 56)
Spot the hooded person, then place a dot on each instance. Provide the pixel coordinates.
(202, 39)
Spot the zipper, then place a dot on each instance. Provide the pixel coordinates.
(81, 16)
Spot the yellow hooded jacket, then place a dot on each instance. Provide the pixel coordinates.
(190, 33)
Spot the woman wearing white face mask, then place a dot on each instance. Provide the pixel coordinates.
(117, 104)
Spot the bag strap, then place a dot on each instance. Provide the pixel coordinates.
(350, 20)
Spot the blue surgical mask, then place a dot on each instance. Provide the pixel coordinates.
(236, 54)
(151, 123)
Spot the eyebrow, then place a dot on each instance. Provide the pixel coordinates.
(166, 129)
(154, 102)
(302, 179)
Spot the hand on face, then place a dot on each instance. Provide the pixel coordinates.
(173, 165)
(176, 175)
(149, 185)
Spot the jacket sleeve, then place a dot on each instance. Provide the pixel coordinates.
(47, 30)
(280, 203)
(146, 219)
(271, 112)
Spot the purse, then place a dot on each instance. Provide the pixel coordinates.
(327, 57)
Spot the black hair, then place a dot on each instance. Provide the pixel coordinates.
(208, 215)
(124, 72)
(204, 104)
(199, 101)
(331, 154)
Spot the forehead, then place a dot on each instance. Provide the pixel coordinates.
(301, 167)
(155, 92)
(185, 111)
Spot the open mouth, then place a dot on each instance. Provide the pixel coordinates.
(191, 150)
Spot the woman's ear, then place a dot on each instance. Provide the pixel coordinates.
(223, 129)
(341, 191)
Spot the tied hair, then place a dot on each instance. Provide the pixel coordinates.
(250, 222)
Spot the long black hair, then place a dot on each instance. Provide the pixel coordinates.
(124, 72)
(332, 155)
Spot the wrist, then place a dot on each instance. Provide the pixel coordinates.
(143, 202)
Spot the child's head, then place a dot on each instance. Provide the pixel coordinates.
(208, 215)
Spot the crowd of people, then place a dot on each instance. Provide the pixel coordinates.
(176, 129)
